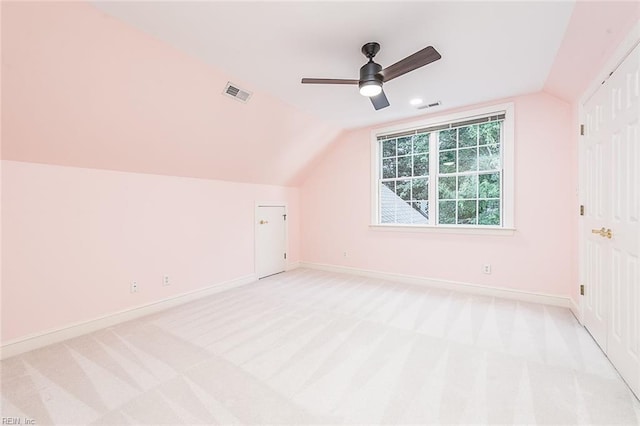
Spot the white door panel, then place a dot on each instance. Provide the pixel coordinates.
(596, 146)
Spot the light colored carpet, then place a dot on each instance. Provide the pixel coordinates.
(315, 347)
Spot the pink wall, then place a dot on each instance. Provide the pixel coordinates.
(73, 240)
(335, 203)
(83, 89)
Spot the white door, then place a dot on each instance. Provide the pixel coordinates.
(610, 158)
(271, 240)
(596, 149)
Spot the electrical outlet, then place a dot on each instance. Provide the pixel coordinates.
(165, 280)
(134, 286)
(344, 254)
(486, 268)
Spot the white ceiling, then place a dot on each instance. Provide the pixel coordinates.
(489, 50)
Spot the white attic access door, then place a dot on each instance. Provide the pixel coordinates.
(271, 239)
(610, 227)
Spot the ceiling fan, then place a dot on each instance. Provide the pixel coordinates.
(372, 76)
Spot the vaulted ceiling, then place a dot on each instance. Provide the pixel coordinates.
(489, 50)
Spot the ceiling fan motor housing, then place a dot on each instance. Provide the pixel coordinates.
(370, 72)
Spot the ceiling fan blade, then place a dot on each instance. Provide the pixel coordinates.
(380, 101)
(328, 81)
(410, 63)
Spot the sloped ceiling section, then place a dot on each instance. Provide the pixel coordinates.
(595, 29)
(81, 88)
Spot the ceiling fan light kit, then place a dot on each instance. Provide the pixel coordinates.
(372, 76)
(370, 88)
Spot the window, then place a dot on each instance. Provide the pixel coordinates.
(454, 172)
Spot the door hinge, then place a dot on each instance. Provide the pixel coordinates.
(581, 209)
(284, 216)
(581, 289)
(285, 256)
(582, 130)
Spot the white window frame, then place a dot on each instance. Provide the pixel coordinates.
(508, 177)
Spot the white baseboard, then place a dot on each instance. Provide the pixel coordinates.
(575, 308)
(39, 340)
(545, 299)
(292, 265)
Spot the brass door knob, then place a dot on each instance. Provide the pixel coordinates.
(264, 222)
(603, 232)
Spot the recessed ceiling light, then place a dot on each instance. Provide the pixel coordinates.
(415, 101)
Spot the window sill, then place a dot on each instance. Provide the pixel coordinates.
(468, 230)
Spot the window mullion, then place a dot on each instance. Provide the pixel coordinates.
(433, 178)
